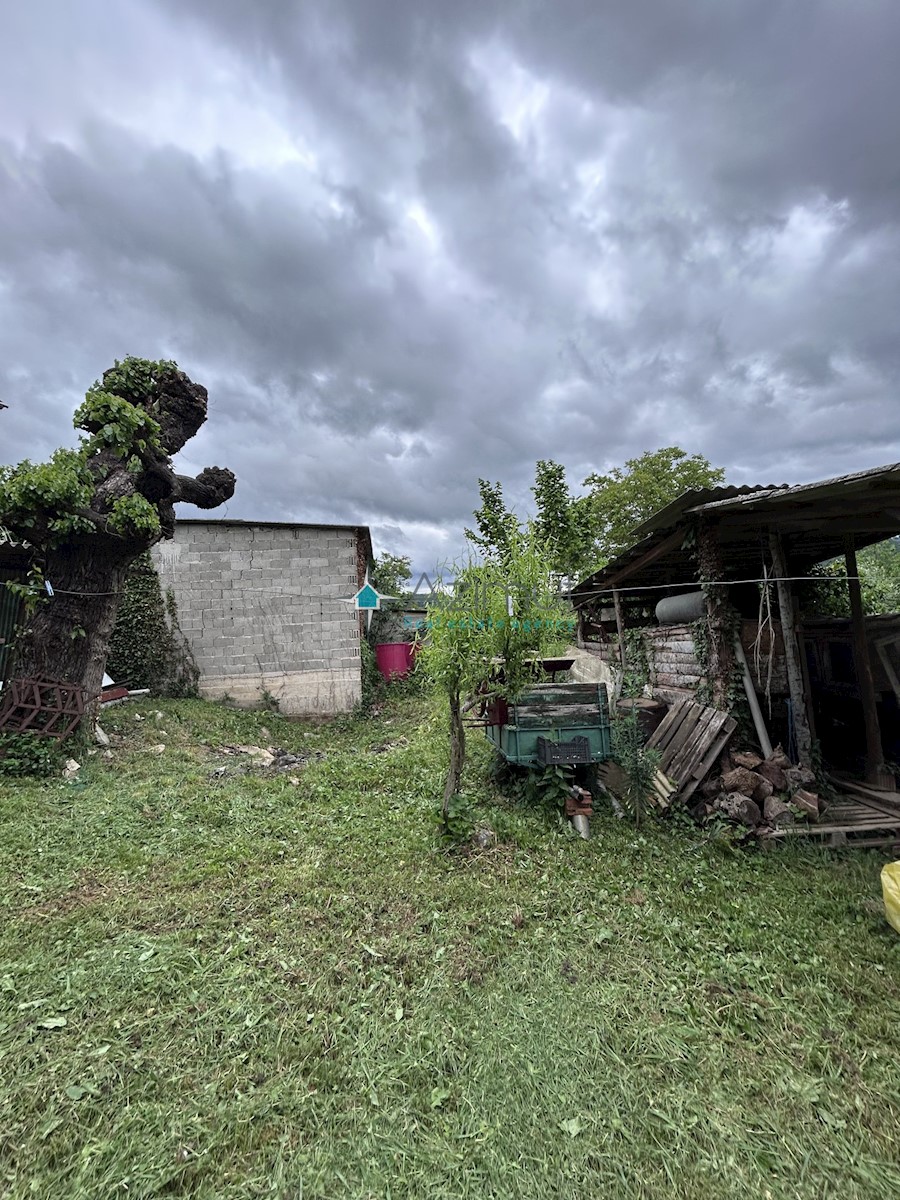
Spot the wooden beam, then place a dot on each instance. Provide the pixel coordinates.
(804, 667)
(674, 541)
(792, 650)
(620, 630)
(875, 771)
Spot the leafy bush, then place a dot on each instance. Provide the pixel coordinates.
(458, 819)
(24, 754)
(372, 680)
(825, 593)
(547, 787)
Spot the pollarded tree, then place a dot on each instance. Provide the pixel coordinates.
(89, 512)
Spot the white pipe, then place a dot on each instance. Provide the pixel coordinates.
(582, 825)
(753, 700)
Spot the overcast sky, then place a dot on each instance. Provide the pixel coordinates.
(408, 243)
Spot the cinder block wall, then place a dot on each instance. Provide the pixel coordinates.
(263, 609)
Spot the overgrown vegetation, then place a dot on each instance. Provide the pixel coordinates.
(637, 663)
(23, 754)
(214, 983)
(148, 649)
(879, 582)
(540, 787)
(639, 763)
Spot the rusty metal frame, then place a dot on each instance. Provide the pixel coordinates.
(45, 707)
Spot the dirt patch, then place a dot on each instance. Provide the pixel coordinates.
(469, 965)
(568, 972)
(260, 760)
(386, 747)
(87, 891)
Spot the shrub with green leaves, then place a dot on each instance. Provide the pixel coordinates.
(24, 754)
(502, 613)
(637, 762)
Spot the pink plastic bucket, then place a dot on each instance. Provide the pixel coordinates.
(395, 659)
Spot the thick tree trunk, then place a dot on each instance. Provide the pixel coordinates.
(457, 753)
(67, 638)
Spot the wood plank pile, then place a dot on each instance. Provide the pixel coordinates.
(673, 658)
(689, 741)
(848, 822)
(768, 796)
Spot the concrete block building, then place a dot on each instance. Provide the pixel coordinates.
(267, 611)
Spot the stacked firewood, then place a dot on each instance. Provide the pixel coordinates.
(759, 792)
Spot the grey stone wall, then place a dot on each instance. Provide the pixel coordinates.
(263, 608)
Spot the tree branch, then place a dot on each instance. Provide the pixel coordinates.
(212, 487)
(97, 519)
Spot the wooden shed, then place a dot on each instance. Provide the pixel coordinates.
(725, 542)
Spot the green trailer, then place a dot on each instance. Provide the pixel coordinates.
(553, 723)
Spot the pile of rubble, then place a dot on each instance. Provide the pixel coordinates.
(759, 792)
(266, 758)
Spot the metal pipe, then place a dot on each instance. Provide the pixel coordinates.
(759, 724)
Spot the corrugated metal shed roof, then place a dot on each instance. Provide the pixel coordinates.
(814, 517)
(774, 493)
(668, 517)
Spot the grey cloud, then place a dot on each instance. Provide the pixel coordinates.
(406, 243)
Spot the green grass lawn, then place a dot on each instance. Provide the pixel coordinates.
(226, 985)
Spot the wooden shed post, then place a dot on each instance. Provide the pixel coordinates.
(875, 771)
(791, 650)
(620, 631)
(720, 663)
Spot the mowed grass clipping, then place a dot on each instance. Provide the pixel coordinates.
(218, 983)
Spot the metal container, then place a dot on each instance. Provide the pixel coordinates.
(681, 610)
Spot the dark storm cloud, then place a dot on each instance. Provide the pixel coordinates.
(406, 244)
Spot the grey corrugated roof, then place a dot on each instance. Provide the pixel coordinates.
(750, 497)
(815, 544)
(667, 518)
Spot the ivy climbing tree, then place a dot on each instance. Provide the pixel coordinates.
(89, 512)
(147, 648)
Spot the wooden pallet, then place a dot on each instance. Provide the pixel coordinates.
(689, 740)
(848, 822)
(887, 802)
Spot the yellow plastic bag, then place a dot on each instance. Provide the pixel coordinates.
(890, 885)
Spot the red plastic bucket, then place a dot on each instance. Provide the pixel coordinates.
(395, 659)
